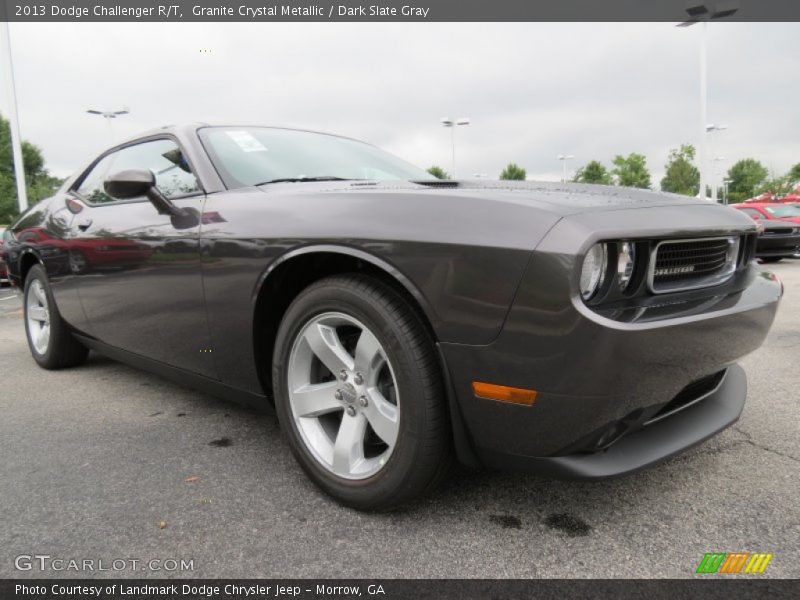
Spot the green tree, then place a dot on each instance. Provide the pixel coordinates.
(794, 173)
(39, 183)
(631, 171)
(593, 172)
(682, 177)
(745, 177)
(777, 186)
(438, 172)
(513, 171)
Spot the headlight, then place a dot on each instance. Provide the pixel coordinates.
(626, 259)
(593, 270)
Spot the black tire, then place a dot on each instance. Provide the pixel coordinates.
(63, 350)
(422, 454)
(772, 259)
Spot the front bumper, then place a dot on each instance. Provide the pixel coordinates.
(777, 245)
(646, 446)
(600, 376)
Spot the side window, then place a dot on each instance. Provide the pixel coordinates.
(91, 188)
(165, 159)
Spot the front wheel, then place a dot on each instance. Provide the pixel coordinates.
(49, 339)
(359, 393)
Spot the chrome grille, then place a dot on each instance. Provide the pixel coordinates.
(690, 264)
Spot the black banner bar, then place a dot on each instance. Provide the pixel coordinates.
(396, 589)
(399, 10)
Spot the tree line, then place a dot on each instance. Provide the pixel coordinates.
(747, 177)
(39, 183)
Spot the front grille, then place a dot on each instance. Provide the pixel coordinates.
(691, 394)
(690, 264)
(778, 231)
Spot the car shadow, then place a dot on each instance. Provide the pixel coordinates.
(506, 501)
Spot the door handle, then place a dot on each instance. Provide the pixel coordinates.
(85, 224)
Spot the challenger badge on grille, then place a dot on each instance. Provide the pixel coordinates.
(677, 265)
(675, 270)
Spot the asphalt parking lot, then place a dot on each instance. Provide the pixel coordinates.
(107, 462)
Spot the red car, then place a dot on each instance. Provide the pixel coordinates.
(772, 213)
(82, 255)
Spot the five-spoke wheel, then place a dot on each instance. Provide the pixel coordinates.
(344, 395)
(51, 343)
(38, 317)
(358, 392)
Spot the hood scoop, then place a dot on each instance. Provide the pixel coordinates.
(441, 183)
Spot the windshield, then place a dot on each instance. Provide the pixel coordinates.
(786, 210)
(246, 156)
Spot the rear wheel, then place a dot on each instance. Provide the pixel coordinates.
(49, 339)
(359, 394)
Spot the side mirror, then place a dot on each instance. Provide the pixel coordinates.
(129, 184)
(136, 183)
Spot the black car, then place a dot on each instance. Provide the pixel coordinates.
(777, 240)
(395, 320)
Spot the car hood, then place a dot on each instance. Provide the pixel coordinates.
(778, 223)
(560, 198)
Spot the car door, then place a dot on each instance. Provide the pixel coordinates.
(139, 271)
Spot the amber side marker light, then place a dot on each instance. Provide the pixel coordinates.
(503, 393)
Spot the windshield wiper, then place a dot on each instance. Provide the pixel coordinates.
(303, 179)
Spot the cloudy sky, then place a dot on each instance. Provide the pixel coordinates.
(532, 91)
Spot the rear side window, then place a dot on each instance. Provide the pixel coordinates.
(174, 177)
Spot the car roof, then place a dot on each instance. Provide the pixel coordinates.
(171, 129)
(183, 129)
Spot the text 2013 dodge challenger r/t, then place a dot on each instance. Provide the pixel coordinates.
(396, 320)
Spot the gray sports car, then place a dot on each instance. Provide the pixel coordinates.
(395, 320)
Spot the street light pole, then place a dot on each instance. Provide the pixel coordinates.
(13, 121)
(717, 159)
(701, 13)
(564, 158)
(701, 159)
(452, 124)
(108, 115)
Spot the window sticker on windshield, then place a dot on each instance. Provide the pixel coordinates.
(246, 141)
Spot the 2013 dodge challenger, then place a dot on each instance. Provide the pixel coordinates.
(395, 320)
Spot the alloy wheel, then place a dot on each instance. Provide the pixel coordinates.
(343, 395)
(38, 315)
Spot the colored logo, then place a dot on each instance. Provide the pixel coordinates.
(734, 562)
